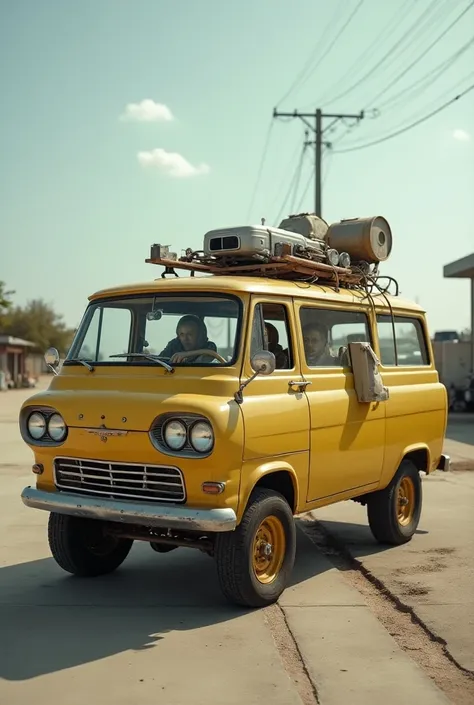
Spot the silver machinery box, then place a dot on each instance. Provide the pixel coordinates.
(250, 241)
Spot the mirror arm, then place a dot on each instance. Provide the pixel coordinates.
(53, 370)
(238, 396)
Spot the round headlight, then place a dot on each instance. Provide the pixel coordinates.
(202, 437)
(36, 425)
(175, 435)
(57, 427)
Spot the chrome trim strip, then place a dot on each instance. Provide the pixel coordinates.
(140, 513)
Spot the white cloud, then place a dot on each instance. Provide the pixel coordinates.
(147, 111)
(462, 136)
(171, 163)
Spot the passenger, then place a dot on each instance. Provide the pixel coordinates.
(315, 339)
(281, 356)
(191, 339)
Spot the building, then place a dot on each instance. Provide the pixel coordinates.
(17, 358)
(464, 269)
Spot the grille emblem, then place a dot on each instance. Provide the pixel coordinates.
(105, 434)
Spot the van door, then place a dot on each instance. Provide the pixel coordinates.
(347, 437)
(275, 410)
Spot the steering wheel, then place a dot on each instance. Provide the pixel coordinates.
(211, 353)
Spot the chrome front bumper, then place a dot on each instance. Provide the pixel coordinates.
(141, 513)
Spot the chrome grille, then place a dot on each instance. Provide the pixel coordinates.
(119, 480)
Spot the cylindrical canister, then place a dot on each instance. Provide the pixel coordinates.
(368, 239)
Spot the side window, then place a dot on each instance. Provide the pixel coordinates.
(108, 334)
(270, 331)
(410, 338)
(327, 332)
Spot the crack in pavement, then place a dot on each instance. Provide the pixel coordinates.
(410, 632)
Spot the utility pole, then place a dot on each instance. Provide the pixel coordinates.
(317, 127)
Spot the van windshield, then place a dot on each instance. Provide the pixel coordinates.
(141, 330)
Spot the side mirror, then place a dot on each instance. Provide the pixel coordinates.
(51, 359)
(263, 363)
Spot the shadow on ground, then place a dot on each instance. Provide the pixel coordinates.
(51, 621)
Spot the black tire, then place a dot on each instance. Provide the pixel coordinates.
(383, 507)
(81, 547)
(234, 552)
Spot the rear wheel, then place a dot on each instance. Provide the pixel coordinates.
(82, 547)
(394, 512)
(254, 562)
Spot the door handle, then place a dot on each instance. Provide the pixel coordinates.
(301, 384)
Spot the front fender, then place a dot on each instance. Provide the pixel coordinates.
(295, 465)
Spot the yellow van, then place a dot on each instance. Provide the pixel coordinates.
(208, 411)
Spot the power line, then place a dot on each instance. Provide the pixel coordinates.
(420, 85)
(317, 50)
(411, 126)
(317, 127)
(432, 76)
(297, 181)
(390, 54)
(308, 183)
(336, 39)
(400, 14)
(424, 53)
(284, 181)
(293, 181)
(260, 169)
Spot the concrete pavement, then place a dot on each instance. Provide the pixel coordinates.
(434, 573)
(158, 630)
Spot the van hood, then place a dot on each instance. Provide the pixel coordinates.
(97, 402)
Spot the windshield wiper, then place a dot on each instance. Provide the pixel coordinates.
(90, 367)
(147, 356)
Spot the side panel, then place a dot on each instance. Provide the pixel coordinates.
(416, 410)
(416, 416)
(347, 437)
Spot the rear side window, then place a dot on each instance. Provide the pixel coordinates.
(327, 332)
(412, 349)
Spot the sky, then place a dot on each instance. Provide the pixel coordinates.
(124, 124)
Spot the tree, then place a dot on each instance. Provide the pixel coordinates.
(5, 301)
(40, 324)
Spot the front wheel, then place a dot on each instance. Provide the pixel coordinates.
(82, 547)
(255, 561)
(394, 512)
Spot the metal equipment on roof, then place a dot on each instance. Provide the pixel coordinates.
(302, 247)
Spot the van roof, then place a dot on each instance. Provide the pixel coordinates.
(254, 285)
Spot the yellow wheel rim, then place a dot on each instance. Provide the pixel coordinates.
(269, 548)
(406, 501)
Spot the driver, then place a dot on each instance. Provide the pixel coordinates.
(190, 342)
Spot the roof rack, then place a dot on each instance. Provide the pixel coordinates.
(303, 248)
(285, 267)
